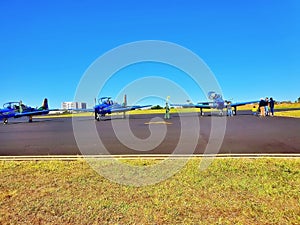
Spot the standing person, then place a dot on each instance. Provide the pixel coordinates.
(20, 106)
(272, 104)
(167, 114)
(262, 107)
(267, 106)
(229, 109)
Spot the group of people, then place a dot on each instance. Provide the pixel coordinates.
(265, 107)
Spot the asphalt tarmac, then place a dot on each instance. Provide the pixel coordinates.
(150, 134)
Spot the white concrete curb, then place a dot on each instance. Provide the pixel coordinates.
(141, 156)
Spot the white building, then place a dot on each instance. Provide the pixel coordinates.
(73, 105)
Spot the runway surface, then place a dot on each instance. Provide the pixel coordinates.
(149, 134)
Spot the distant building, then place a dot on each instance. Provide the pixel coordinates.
(73, 105)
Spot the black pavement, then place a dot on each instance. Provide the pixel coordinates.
(244, 133)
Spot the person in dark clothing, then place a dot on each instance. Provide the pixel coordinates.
(271, 104)
(261, 106)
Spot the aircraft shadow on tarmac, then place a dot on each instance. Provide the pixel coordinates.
(33, 122)
(174, 115)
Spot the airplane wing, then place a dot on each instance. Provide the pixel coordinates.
(31, 113)
(138, 106)
(113, 109)
(243, 103)
(82, 110)
(203, 106)
(128, 108)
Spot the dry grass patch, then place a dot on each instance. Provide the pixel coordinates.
(230, 191)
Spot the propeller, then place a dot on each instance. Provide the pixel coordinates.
(211, 95)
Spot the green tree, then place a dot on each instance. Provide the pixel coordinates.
(156, 107)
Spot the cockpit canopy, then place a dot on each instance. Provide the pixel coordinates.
(106, 100)
(13, 105)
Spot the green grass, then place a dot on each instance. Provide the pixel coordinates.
(295, 113)
(230, 191)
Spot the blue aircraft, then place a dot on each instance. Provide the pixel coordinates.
(18, 109)
(216, 103)
(107, 106)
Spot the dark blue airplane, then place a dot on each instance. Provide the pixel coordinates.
(18, 109)
(216, 103)
(107, 106)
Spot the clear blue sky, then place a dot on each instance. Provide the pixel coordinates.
(252, 46)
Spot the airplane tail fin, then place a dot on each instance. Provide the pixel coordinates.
(125, 100)
(45, 104)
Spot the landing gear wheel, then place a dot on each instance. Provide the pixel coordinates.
(5, 121)
(97, 116)
(30, 119)
(201, 112)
